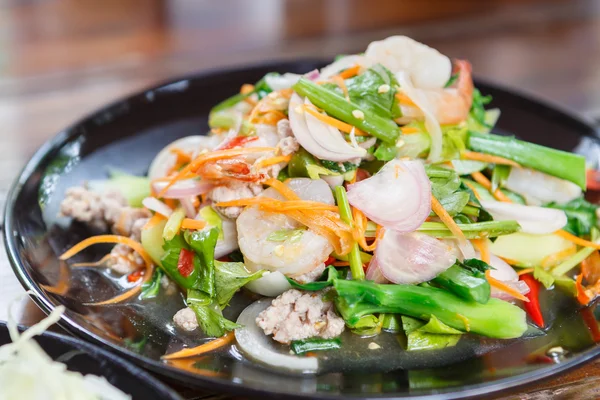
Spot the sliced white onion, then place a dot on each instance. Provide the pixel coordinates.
(271, 284)
(397, 197)
(187, 203)
(153, 204)
(344, 63)
(165, 159)
(279, 82)
(258, 347)
(536, 220)
(431, 123)
(539, 188)
(318, 138)
(183, 188)
(311, 189)
(333, 180)
(229, 242)
(412, 258)
(312, 75)
(368, 143)
(374, 273)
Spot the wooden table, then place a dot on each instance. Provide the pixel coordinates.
(62, 59)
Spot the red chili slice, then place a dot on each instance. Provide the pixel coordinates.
(185, 265)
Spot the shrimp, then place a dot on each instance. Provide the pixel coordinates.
(449, 105)
(426, 67)
(262, 239)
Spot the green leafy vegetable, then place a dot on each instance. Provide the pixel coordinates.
(581, 216)
(363, 90)
(209, 315)
(477, 111)
(466, 282)
(446, 187)
(385, 151)
(433, 335)
(496, 318)
(554, 162)
(315, 344)
(203, 243)
(151, 288)
(390, 322)
(229, 278)
(339, 167)
(338, 107)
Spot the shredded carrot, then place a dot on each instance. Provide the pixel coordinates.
(556, 258)
(350, 72)
(64, 282)
(441, 212)
(504, 287)
(156, 218)
(203, 348)
(192, 224)
(171, 203)
(484, 251)
(190, 365)
(582, 297)
(525, 271)
(485, 182)
(470, 186)
(407, 130)
(340, 263)
(405, 100)
(271, 161)
(465, 321)
(269, 204)
(577, 240)
(360, 228)
(213, 156)
(182, 156)
(136, 246)
(281, 187)
(473, 155)
(336, 123)
(100, 262)
(339, 81)
(509, 260)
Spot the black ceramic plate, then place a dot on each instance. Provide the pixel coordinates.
(127, 135)
(86, 358)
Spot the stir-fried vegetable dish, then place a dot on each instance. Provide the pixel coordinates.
(370, 196)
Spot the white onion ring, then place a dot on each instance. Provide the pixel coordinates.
(183, 188)
(153, 204)
(271, 284)
(412, 258)
(259, 347)
(187, 203)
(397, 197)
(539, 188)
(535, 220)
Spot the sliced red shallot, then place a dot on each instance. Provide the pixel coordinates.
(535, 220)
(397, 197)
(318, 138)
(153, 204)
(183, 188)
(412, 258)
(187, 203)
(374, 273)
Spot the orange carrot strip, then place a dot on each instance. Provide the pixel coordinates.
(115, 239)
(64, 281)
(182, 156)
(342, 85)
(525, 271)
(246, 88)
(407, 130)
(203, 348)
(582, 297)
(577, 240)
(156, 218)
(192, 224)
(485, 182)
(340, 263)
(441, 212)
(470, 186)
(271, 161)
(484, 251)
(284, 190)
(336, 123)
(405, 100)
(505, 288)
(555, 258)
(98, 263)
(350, 72)
(509, 260)
(473, 155)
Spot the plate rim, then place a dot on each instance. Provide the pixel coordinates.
(49, 147)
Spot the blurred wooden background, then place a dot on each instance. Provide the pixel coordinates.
(62, 59)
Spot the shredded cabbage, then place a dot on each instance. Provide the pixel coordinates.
(27, 372)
